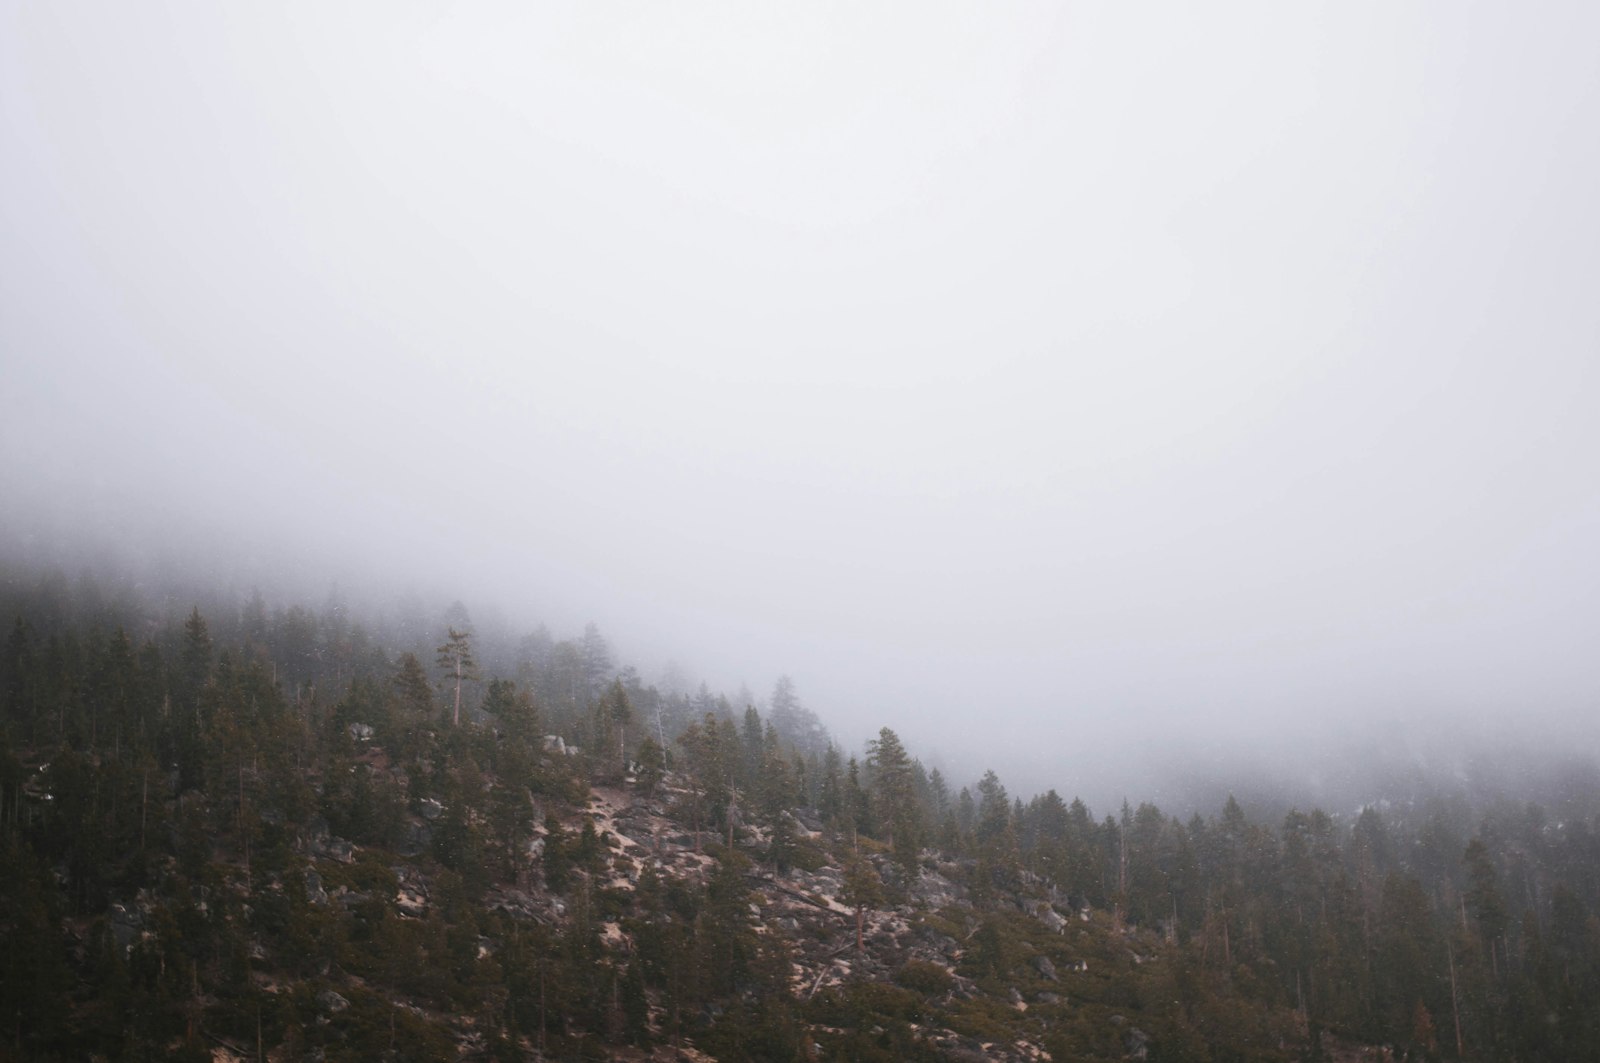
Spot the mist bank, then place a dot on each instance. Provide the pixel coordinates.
(1308, 762)
(1338, 762)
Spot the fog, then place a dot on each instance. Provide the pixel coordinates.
(1098, 393)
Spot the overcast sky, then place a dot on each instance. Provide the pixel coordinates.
(1013, 375)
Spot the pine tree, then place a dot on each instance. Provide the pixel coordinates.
(830, 790)
(196, 660)
(863, 890)
(455, 658)
(857, 805)
(635, 1007)
(708, 756)
(412, 688)
(652, 766)
(558, 856)
(595, 658)
(773, 784)
(514, 709)
(894, 794)
(797, 725)
(619, 710)
(510, 818)
(750, 747)
(1484, 900)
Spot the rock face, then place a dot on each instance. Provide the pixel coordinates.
(933, 890)
(331, 1002)
(407, 902)
(927, 948)
(339, 849)
(126, 924)
(1051, 919)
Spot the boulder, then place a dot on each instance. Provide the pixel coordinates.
(331, 1002)
(353, 899)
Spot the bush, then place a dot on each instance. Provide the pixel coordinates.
(880, 1000)
(807, 857)
(924, 977)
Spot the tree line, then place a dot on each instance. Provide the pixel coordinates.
(165, 763)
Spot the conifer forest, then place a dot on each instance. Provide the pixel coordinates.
(257, 832)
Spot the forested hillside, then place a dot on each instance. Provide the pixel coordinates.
(280, 832)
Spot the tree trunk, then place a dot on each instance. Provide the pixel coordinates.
(1455, 1008)
(456, 720)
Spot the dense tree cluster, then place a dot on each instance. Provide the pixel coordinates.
(175, 792)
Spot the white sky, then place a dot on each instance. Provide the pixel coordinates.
(1010, 374)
